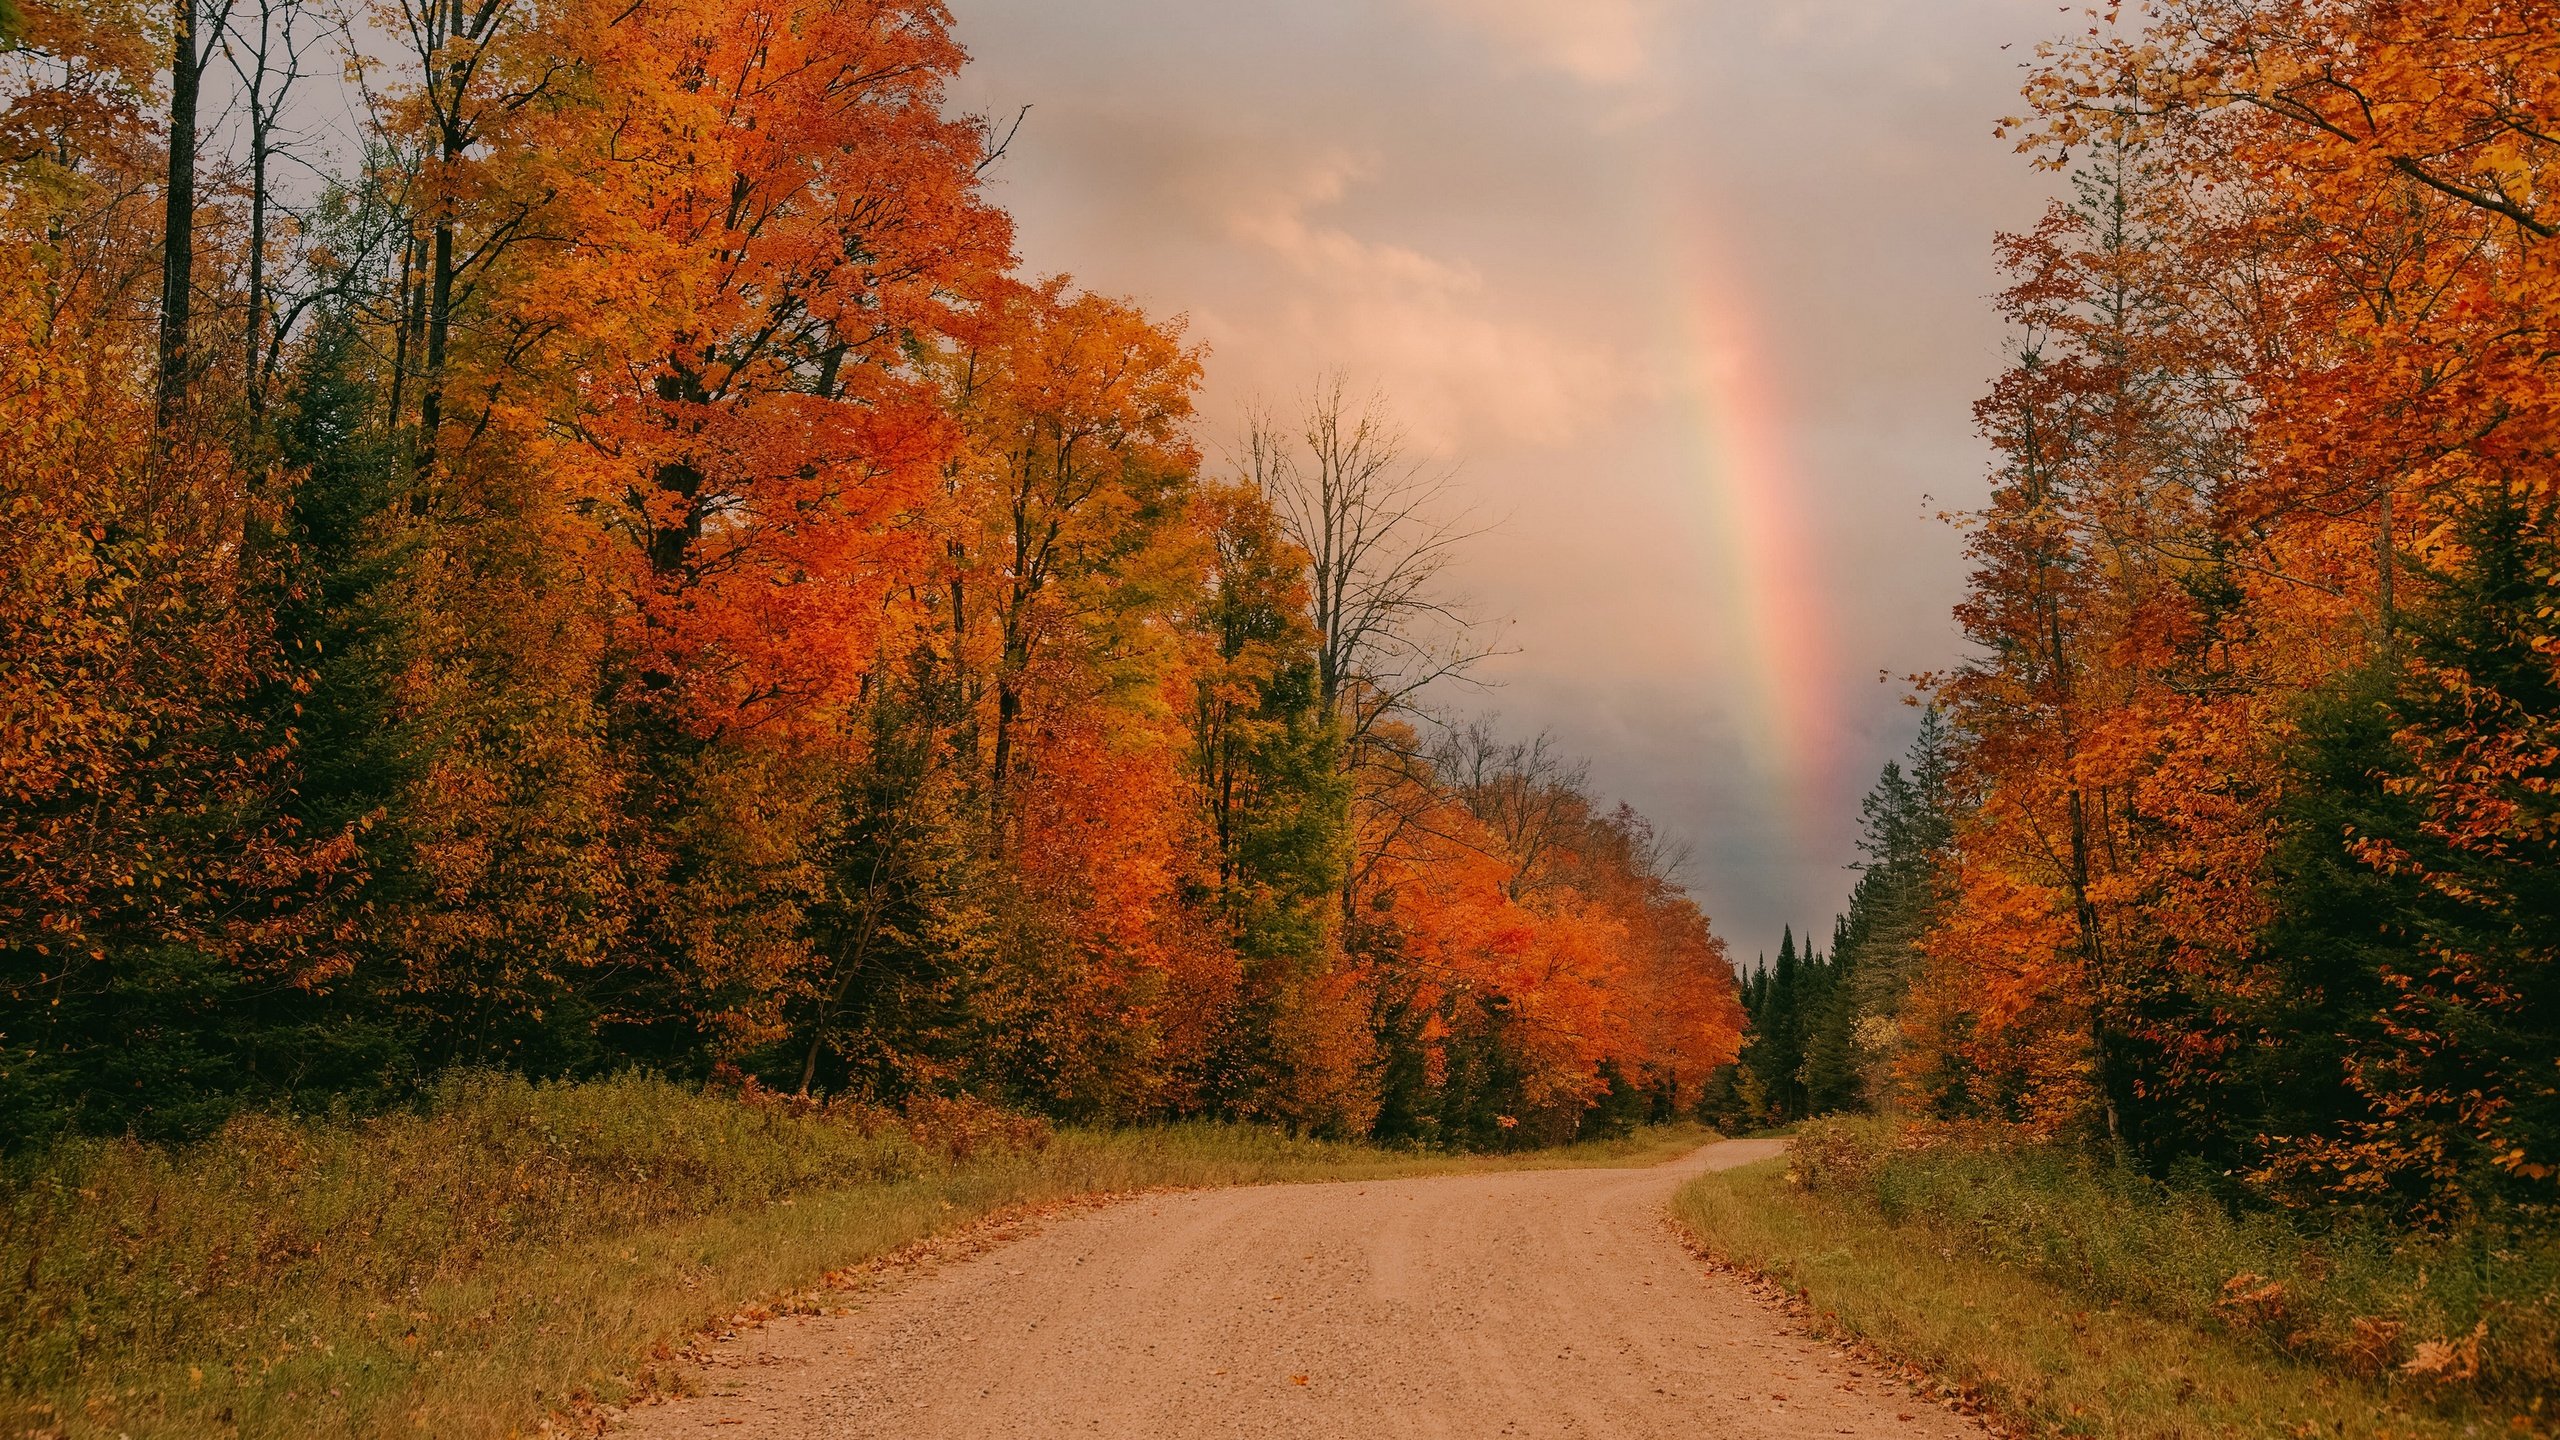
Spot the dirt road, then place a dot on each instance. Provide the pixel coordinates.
(1542, 1303)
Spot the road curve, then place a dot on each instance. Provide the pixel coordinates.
(1544, 1303)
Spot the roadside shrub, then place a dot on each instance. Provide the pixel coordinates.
(962, 1128)
(1837, 1156)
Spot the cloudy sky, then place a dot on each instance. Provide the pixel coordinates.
(1692, 293)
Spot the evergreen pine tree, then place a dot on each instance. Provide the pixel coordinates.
(1774, 1050)
(1830, 1069)
(1819, 1027)
(346, 623)
(2416, 996)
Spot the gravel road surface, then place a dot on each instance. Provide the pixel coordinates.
(1544, 1303)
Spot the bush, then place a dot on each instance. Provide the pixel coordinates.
(1837, 1157)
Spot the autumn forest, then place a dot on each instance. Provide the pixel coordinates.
(625, 594)
(634, 573)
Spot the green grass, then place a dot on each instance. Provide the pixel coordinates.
(2078, 1300)
(514, 1252)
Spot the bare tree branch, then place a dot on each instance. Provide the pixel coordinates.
(1380, 532)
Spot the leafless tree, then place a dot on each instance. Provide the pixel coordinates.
(265, 47)
(1534, 797)
(1650, 853)
(1380, 529)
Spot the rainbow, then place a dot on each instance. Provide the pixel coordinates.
(1772, 611)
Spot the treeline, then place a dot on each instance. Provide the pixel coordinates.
(1822, 1031)
(2255, 777)
(627, 573)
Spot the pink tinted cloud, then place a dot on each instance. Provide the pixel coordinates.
(1466, 368)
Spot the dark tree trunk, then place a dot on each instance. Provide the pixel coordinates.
(439, 333)
(178, 233)
(254, 377)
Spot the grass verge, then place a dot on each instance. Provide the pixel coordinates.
(515, 1254)
(2070, 1299)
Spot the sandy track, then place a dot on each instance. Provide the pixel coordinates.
(1540, 1303)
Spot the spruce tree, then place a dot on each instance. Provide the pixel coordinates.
(2406, 1054)
(1830, 1070)
(1774, 1050)
(346, 622)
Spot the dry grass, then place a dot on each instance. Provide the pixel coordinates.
(2076, 1301)
(514, 1253)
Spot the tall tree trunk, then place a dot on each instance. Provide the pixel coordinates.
(2384, 559)
(446, 82)
(1008, 714)
(402, 328)
(178, 232)
(439, 333)
(254, 376)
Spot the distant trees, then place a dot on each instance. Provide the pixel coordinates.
(1826, 1031)
(1523, 956)
(1514, 989)
(1507, 956)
